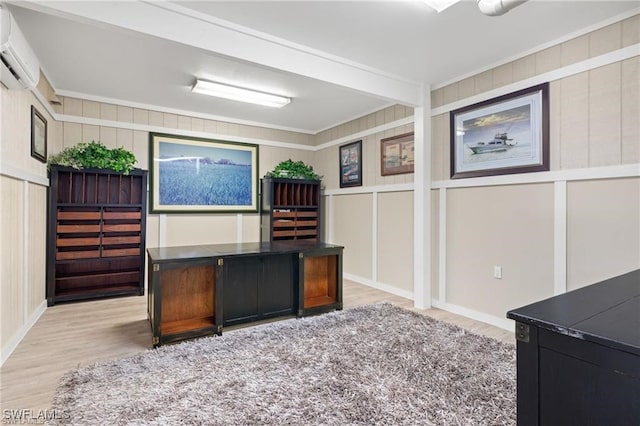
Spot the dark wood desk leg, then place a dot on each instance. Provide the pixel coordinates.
(527, 364)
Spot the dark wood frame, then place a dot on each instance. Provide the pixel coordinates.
(539, 123)
(385, 169)
(199, 143)
(349, 168)
(40, 155)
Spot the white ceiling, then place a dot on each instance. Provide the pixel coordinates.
(338, 60)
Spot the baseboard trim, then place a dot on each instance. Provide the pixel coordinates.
(503, 323)
(379, 286)
(8, 349)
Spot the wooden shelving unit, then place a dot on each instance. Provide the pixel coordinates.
(290, 210)
(96, 234)
(320, 281)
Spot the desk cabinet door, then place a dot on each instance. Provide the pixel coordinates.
(276, 292)
(240, 289)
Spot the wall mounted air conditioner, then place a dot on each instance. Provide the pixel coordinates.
(19, 66)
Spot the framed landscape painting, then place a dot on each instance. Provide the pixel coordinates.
(194, 175)
(504, 135)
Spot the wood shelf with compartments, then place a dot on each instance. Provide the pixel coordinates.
(290, 210)
(96, 234)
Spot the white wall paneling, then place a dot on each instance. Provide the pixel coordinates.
(422, 203)
(374, 237)
(442, 246)
(560, 238)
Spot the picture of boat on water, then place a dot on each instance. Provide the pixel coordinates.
(501, 135)
(499, 143)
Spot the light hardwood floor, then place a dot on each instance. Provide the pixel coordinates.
(72, 335)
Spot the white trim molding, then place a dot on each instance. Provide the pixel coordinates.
(374, 236)
(587, 173)
(407, 294)
(442, 244)
(179, 132)
(400, 187)
(541, 47)
(557, 74)
(503, 323)
(560, 237)
(13, 343)
(21, 174)
(139, 105)
(365, 133)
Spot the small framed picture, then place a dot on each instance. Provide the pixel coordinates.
(396, 154)
(351, 164)
(504, 135)
(38, 135)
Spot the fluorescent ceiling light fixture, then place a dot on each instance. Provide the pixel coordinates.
(440, 5)
(241, 94)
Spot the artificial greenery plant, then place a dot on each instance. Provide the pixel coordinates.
(87, 155)
(294, 170)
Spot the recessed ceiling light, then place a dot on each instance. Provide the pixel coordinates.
(242, 94)
(440, 5)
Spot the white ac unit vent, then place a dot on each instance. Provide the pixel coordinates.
(19, 66)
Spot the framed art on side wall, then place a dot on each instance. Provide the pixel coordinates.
(351, 164)
(38, 135)
(396, 154)
(194, 175)
(503, 135)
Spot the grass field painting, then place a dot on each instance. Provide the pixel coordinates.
(196, 175)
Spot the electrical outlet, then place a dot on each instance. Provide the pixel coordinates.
(497, 272)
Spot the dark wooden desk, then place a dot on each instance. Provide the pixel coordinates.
(197, 290)
(579, 356)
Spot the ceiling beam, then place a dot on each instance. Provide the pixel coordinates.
(174, 22)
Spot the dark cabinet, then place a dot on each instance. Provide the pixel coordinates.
(197, 290)
(278, 289)
(578, 356)
(257, 287)
(240, 293)
(95, 234)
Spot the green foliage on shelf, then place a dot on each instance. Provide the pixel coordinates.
(88, 155)
(293, 170)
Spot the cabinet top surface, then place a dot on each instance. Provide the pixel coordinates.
(167, 254)
(607, 312)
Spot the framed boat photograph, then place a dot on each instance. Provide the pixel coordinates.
(504, 135)
(195, 175)
(351, 164)
(396, 154)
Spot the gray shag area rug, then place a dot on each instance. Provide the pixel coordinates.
(377, 364)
